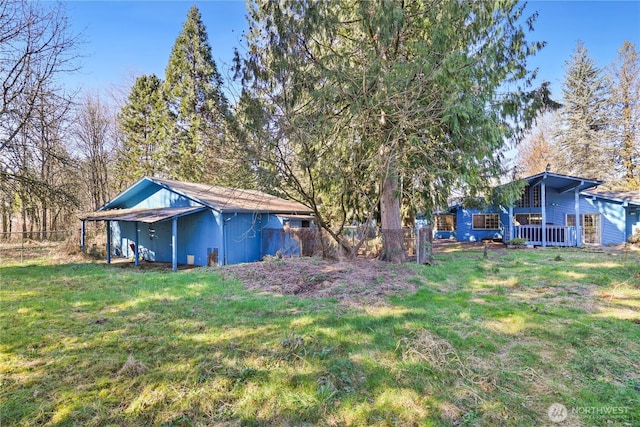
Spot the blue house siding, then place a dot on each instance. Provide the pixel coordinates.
(198, 234)
(612, 219)
(559, 205)
(208, 220)
(633, 221)
(444, 234)
(243, 238)
(464, 226)
(609, 218)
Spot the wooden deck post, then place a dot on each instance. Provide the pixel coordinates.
(543, 202)
(174, 243)
(136, 250)
(510, 223)
(577, 209)
(108, 242)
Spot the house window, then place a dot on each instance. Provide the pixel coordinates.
(486, 222)
(523, 202)
(536, 197)
(444, 222)
(529, 219)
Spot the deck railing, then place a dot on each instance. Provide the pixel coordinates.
(557, 235)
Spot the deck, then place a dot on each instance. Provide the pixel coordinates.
(556, 235)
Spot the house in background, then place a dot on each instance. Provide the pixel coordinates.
(188, 223)
(546, 215)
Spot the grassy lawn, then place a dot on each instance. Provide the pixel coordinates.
(482, 342)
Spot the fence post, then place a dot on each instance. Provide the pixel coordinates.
(424, 252)
(417, 244)
(82, 236)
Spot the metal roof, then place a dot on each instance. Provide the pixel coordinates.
(148, 216)
(226, 199)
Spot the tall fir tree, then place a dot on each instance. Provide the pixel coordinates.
(198, 107)
(361, 101)
(625, 115)
(584, 138)
(143, 123)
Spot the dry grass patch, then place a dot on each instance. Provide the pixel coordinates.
(132, 368)
(359, 282)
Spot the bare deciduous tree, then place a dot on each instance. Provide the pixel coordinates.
(93, 131)
(35, 49)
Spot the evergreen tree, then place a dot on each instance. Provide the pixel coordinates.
(143, 125)
(584, 140)
(362, 101)
(198, 108)
(625, 115)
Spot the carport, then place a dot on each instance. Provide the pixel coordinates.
(148, 216)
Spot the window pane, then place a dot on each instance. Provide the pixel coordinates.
(444, 222)
(536, 197)
(523, 202)
(486, 221)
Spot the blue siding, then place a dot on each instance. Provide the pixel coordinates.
(444, 234)
(164, 198)
(612, 218)
(243, 238)
(614, 223)
(633, 221)
(197, 235)
(464, 226)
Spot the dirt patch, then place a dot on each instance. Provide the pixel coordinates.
(361, 281)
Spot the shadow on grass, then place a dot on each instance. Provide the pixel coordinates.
(212, 352)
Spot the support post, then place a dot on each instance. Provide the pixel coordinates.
(417, 244)
(136, 250)
(174, 243)
(577, 209)
(510, 222)
(108, 242)
(83, 228)
(543, 202)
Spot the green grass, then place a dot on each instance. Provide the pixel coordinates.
(482, 342)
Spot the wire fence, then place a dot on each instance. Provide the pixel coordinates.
(366, 241)
(30, 244)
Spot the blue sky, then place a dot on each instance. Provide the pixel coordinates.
(136, 37)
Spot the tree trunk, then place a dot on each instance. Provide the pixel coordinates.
(392, 239)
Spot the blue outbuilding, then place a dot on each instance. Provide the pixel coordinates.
(189, 223)
(546, 215)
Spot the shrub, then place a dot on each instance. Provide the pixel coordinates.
(517, 241)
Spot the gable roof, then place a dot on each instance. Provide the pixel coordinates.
(561, 182)
(624, 197)
(222, 199)
(227, 199)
